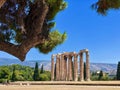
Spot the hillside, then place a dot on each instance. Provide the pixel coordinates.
(109, 68)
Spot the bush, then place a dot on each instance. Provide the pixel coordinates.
(44, 77)
(3, 81)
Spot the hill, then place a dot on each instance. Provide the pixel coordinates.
(106, 67)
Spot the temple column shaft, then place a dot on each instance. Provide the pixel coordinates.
(62, 67)
(57, 68)
(52, 68)
(87, 67)
(75, 68)
(65, 68)
(70, 68)
(81, 67)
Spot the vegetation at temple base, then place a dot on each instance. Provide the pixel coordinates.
(100, 76)
(21, 73)
(118, 71)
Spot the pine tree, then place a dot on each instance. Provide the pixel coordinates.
(36, 72)
(118, 71)
(42, 69)
(84, 70)
(100, 75)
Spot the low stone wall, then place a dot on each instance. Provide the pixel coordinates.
(91, 83)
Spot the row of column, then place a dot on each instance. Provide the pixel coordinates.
(66, 69)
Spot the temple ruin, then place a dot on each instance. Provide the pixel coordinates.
(67, 66)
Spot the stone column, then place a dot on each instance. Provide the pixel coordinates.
(81, 67)
(70, 68)
(65, 68)
(62, 67)
(57, 68)
(87, 67)
(75, 67)
(52, 68)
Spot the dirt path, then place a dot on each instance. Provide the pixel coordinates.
(58, 87)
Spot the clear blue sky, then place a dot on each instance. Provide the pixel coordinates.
(85, 29)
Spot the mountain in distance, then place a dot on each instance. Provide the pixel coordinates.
(105, 67)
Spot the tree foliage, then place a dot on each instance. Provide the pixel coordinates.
(28, 23)
(103, 6)
(20, 73)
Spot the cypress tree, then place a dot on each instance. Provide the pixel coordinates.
(42, 69)
(36, 72)
(118, 71)
(100, 75)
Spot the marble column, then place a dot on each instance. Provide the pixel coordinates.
(57, 68)
(65, 68)
(70, 69)
(81, 67)
(75, 67)
(62, 67)
(87, 67)
(52, 68)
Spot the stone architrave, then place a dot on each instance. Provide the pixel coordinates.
(70, 68)
(81, 67)
(87, 67)
(52, 68)
(75, 67)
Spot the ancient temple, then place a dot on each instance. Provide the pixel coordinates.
(67, 66)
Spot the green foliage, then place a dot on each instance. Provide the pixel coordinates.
(55, 38)
(102, 6)
(4, 73)
(13, 77)
(44, 77)
(16, 73)
(42, 69)
(36, 73)
(118, 71)
(100, 75)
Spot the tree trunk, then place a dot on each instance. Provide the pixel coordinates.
(2, 2)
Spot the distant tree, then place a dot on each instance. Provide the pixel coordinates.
(84, 70)
(118, 71)
(42, 69)
(100, 75)
(36, 72)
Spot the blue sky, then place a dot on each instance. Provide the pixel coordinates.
(85, 29)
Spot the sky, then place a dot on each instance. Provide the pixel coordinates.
(85, 29)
